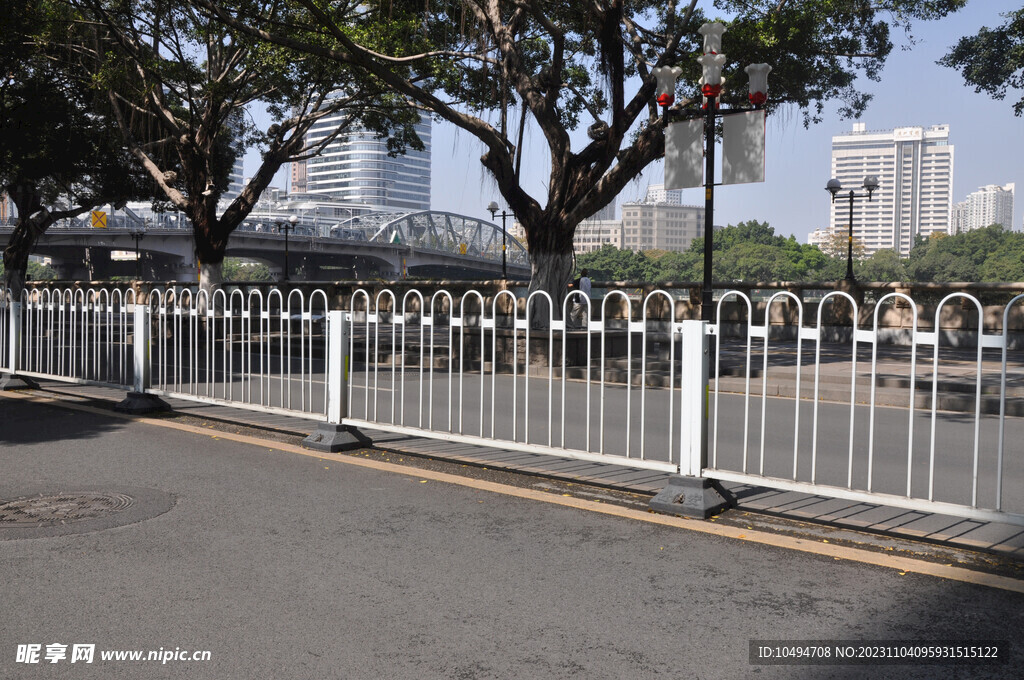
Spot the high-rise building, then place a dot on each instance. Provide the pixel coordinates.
(657, 193)
(914, 167)
(992, 204)
(820, 238)
(298, 177)
(7, 209)
(236, 180)
(356, 167)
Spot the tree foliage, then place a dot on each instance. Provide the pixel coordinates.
(993, 59)
(991, 254)
(194, 80)
(494, 68)
(236, 269)
(752, 252)
(60, 152)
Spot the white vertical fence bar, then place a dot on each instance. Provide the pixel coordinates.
(716, 330)
(337, 365)
(693, 398)
(874, 380)
(1002, 403)
(13, 335)
(141, 343)
(5, 329)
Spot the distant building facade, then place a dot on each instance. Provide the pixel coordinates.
(914, 166)
(597, 231)
(657, 193)
(7, 210)
(298, 184)
(661, 226)
(594, 234)
(991, 204)
(236, 180)
(356, 168)
(820, 238)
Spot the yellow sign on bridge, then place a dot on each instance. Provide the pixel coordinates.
(99, 219)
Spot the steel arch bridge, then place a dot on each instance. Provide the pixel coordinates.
(442, 232)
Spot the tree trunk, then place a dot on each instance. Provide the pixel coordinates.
(33, 220)
(551, 273)
(211, 275)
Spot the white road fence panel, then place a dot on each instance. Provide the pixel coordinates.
(907, 453)
(821, 405)
(508, 372)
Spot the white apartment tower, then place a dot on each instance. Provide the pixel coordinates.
(914, 166)
(992, 204)
(657, 193)
(356, 168)
(236, 180)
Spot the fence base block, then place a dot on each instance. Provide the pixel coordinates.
(333, 438)
(692, 497)
(140, 402)
(10, 382)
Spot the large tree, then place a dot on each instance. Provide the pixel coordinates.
(495, 67)
(196, 80)
(60, 152)
(993, 59)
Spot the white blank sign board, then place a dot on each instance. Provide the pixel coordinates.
(684, 156)
(743, 148)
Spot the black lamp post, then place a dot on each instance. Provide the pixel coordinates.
(493, 208)
(834, 187)
(711, 88)
(137, 234)
(286, 227)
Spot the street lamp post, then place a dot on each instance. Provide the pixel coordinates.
(711, 89)
(834, 187)
(286, 227)
(493, 208)
(137, 234)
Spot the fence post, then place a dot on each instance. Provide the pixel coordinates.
(11, 380)
(333, 435)
(139, 400)
(689, 493)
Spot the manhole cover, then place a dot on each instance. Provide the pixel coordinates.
(61, 509)
(41, 512)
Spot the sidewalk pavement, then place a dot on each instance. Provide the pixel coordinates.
(775, 509)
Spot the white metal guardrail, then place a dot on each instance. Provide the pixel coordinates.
(466, 371)
(962, 471)
(71, 335)
(262, 353)
(252, 351)
(504, 371)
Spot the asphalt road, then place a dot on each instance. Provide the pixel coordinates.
(290, 566)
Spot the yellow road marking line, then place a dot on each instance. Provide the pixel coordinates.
(903, 564)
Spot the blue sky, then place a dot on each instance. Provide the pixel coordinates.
(914, 90)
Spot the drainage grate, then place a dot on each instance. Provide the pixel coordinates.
(43, 511)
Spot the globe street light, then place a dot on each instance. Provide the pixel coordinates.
(834, 186)
(493, 208)
(286, 227)
(711, 83)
